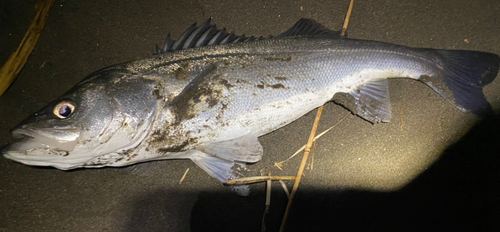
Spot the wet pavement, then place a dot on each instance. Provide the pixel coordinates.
(432, 168)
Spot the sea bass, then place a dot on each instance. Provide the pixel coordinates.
(209, 95)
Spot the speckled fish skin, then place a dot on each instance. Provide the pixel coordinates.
(210, 103)
(257, 87)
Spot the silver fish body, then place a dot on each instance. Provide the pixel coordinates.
(210, 103)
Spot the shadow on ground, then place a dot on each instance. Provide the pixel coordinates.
(460, 192)
(161, 211)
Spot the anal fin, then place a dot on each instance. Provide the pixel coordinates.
(370, 101)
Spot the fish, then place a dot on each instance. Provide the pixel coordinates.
(210, 94)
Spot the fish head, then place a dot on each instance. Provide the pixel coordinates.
(99, 118)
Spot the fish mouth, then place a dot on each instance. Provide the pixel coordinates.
(44, 147)
(44, 157)
(36, 138)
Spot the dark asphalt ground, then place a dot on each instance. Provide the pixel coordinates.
(438, 172)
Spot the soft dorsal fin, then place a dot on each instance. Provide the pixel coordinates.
(308, 27)
(207, 34)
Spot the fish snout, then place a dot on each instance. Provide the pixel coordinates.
(20, 132)
(34, 118)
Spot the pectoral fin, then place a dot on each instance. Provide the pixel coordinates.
(244, 149)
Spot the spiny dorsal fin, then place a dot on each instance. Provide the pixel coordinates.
(204, 35)
(207, 35)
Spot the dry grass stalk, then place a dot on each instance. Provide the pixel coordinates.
(184, 176)
(17, 60)
(283, 185)
(268, 202)
(256, 179)
(347, 17)
(312, 155)
(311, 138)
(403, 113)
(280, 164)
(302, 166)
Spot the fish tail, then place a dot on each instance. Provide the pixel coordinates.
(463, 76)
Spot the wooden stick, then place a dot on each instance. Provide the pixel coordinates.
(311, 138)
(301, 168)
(256, 179)
(17, 60)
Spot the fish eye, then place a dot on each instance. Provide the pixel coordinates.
(64, 109)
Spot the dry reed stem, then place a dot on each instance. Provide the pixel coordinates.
(280, 164)
(268, 202)
(347, 17)
(311, 139)
(312, 155)
(403, 113)
(283, 185)
(17, 60)
(302, 166)
(256, 179)
(184, 176)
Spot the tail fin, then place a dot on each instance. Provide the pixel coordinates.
(465, 73)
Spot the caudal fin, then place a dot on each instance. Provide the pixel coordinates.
(464, 75)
